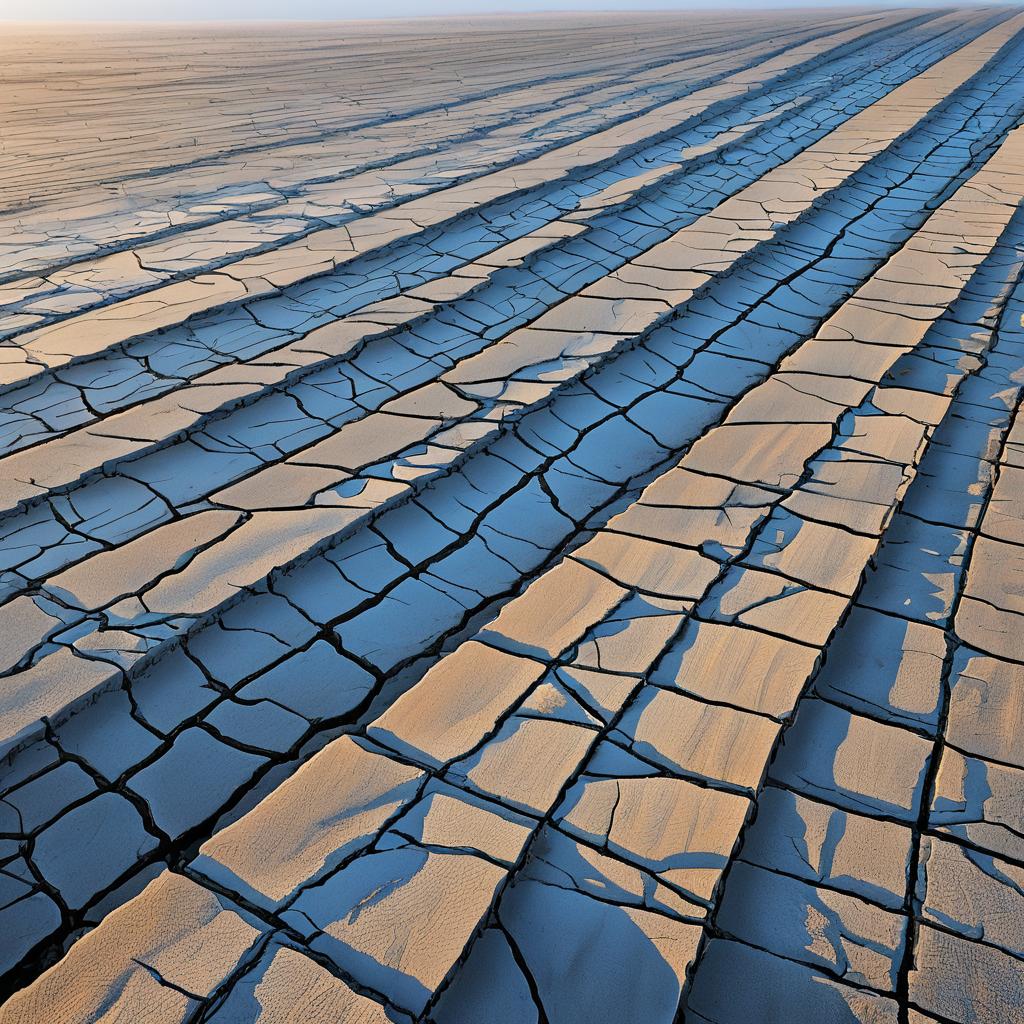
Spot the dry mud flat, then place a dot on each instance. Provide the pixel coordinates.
(516, 522)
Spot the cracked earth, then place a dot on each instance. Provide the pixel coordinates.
(514, 522)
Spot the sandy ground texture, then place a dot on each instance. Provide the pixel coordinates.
(514, 521)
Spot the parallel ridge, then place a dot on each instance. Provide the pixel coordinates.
(565, 570)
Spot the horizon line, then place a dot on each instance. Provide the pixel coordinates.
(698, 7)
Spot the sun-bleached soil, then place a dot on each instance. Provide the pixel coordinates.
(514, 521)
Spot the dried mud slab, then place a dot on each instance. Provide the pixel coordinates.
(517, 521)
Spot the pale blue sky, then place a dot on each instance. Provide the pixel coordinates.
(187, 10)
